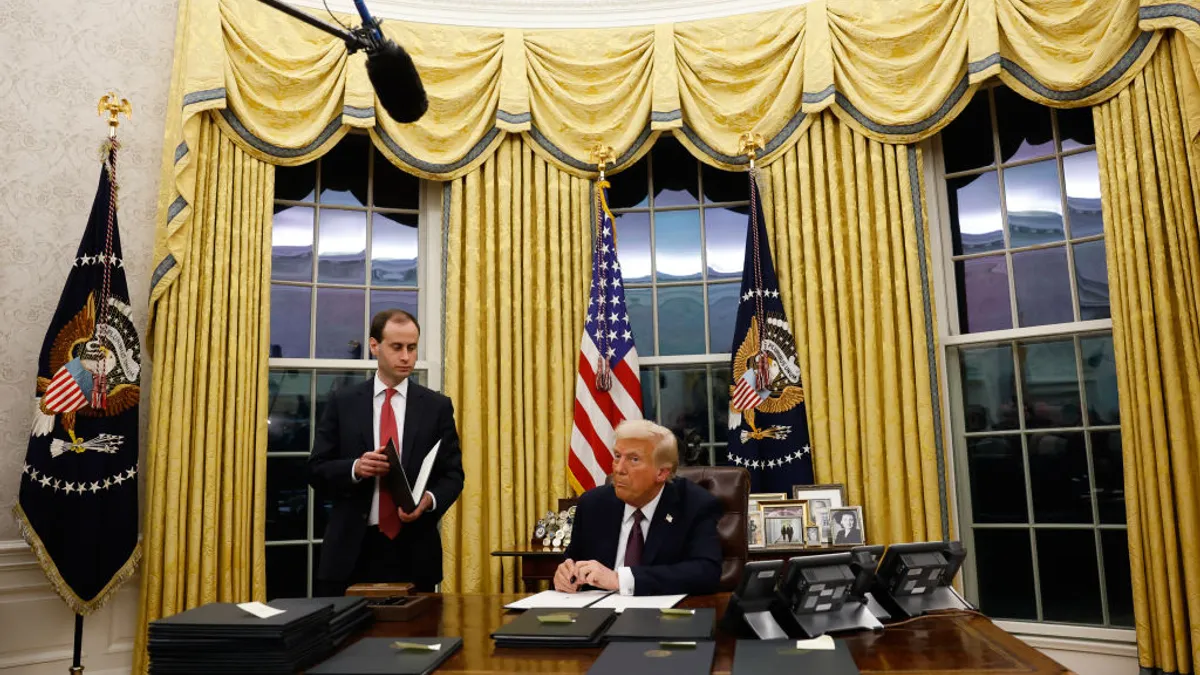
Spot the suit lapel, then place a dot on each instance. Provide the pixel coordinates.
(612, 535)
(413, 414)
(364, 413)
(660, 529)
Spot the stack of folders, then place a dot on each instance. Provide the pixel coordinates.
(655, 658)
(752, 657)
(350, 613)
(397, 656)
(583, 627)
(225, 638)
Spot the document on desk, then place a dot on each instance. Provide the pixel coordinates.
(558, 600)
(621, 602)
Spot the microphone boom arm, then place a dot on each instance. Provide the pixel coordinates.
(356, 39)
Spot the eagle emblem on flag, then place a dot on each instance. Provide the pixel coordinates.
(782, 389)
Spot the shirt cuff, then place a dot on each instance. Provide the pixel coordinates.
(353, 476)
(625, 580)
(433, 499)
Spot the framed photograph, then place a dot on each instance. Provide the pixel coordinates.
(821, 498)
(754, 529)
(812, 535)
(757, 497)
(784, 522)
(847, 526)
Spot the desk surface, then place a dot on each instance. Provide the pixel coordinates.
(940, 645)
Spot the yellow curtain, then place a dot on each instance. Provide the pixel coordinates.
(518, 267)
(846, 218)
(1150, 187)
(205, 512)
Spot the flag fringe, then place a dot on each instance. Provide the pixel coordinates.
(76, 603)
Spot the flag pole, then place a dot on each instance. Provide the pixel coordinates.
(602, 155)
(76, 668)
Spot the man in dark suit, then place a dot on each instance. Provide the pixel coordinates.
(648, 533)
(369, 538)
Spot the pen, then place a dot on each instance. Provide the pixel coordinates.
(678, 645)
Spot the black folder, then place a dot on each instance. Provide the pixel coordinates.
(397, 481)
(585, 629)
(781, 656)
(372, 656)
(652, 624)
(651, 658)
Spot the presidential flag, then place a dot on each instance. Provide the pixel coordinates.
(608, 387)
(768, 430)
(78, 504)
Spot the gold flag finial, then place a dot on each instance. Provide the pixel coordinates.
(602, 156)
(749, 145)
(112, 106)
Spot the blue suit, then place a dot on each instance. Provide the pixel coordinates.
(682, 555)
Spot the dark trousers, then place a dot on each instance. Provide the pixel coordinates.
(381, 560)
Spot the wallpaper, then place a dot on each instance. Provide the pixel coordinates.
(59, 57)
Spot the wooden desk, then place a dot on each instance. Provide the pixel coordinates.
(538, 564)
(962, 645)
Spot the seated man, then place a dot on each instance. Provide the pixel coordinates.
(649, 533)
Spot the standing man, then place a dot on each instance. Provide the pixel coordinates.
(369, 539)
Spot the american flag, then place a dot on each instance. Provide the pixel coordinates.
(608, 388)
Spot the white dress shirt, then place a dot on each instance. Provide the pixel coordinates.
(399, 405)
(624, 574)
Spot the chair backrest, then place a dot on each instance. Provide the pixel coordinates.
(731, 486)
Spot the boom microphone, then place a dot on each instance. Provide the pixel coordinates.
(391, 70)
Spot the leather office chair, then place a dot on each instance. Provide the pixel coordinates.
(731, 486)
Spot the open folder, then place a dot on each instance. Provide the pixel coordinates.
(401, 489)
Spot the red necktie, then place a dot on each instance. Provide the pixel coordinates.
(636, 541)
(389, 520)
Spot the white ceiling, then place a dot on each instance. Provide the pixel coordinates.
(552, 13)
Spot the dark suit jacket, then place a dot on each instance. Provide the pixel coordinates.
(681, 556)
(343, 435)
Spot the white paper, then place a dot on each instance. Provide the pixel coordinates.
(823, 643)
(418, 488)
(622, 602)
(558, 600)
(260, 610)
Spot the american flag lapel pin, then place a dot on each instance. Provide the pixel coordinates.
(670, 518)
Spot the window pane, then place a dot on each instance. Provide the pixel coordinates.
(724, 186)
(1043, 287)
(630, 188)
(967, 141)
(1050, 386)
(341, 326)
(640, 304)
(675, 174)
(989, 389)
(291, 314)
(983, 297)
(381, 300)
(394, 188)
(1110, 476)
(976, 224)
(722, 379)
(1031, 196)
(680, 320)
(722, 316)
(1115, 545)
(342, 247)
(1091, 281)
(1070, 580)
(1100, 380)
(1058, 474)
(1004, 563)
(649, 405)
(344, 172)
(296, 183)
(288, 409)
(997, 479)
(685, 401)
(1081, 174)
(1024, 126)
(677, 245)
(287, 498)
(329, 381)
(292, 244)
(1075, 127)
(633, 245)
(394, 249)
(724, 242)
(287, 571)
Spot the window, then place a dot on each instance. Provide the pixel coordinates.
(348, 239)
(1029, 358)
(681, 238)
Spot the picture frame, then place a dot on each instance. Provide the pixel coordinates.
(752, 509)
(784, 522)
(754, 529)
(812, 536)
(757, 497)
(847, 532)
(821, 499)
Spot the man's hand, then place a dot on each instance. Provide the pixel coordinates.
(593, 573)
(426, 502)
(371, 464)
(564, 577)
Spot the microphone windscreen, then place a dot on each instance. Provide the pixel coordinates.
(397, 83)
